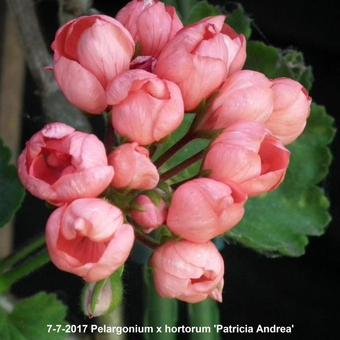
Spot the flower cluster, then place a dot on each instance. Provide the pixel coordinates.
(147, 71)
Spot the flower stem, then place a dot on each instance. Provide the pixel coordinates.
(32, 264)
(177, 170)
(146, 240)
(21, 254)
(173, 150)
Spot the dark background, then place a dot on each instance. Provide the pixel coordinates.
(283, 291)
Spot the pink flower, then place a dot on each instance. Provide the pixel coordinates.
(88, 53)
(145, 108)
(203, 208)
(149, 216)
(199, 58)
(133, 168)
(246, 153)
(188, 271)
(60, 164)
(291, 110)
(245, 95)
(88, 238)
(151, 24)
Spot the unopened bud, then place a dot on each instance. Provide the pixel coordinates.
(104, 296)
(148, 213)
(102, 304)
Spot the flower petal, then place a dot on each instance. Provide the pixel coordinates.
(79, 86)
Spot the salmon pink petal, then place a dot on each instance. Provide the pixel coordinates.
(151, 23)
(87, 183)
(88, 95)
(118, 90)
(100, 51)
(115, 254)
(245, 95)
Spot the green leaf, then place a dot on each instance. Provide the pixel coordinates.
(158, 311)
(186, 174)
(12, 191)
(205, 313)
(292, 65)
(200, 10)
(311, 148)
(262, 58)
(279, 223)
(240, 21)
(30, 317)
(274, 63)
(171, 2)
(183, 7)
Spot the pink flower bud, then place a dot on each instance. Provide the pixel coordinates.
(88, 53)
(145, 108)
(151, 24)
(291, 110)
(60, 164)
(246, 153)
(199, 58)
(152, 216)
(133, 168)
(88, 238)
(246, 95)
(188, 271)
(203, 208)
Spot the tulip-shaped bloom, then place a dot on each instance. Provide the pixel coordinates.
(88, 53)
(145, 107)
(133, 168)
(246, 153)
(151, 24)
(203, 208)
(291, 110)
(88, 238)
(188, 271)
(60, 164)
(246, 95)
(199, 58)
(149, 216)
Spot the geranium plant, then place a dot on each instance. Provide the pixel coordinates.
(210, 137)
